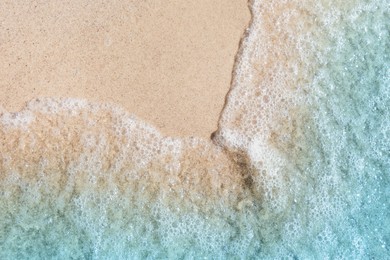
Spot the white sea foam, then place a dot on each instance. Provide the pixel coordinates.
(299, 167)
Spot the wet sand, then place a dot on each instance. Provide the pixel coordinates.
(167, 62)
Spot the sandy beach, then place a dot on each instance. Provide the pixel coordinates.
(298, 167)
(167, 62)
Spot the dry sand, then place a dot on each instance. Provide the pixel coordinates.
(169, 62)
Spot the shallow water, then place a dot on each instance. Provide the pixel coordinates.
(299, 167)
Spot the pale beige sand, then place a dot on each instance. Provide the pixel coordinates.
(169, 62)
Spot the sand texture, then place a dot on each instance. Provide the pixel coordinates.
(167, 62)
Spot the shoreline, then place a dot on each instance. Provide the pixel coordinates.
(172, 71)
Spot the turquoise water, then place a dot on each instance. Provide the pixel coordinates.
(298, 169)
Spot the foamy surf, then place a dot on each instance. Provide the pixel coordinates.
(299, 167)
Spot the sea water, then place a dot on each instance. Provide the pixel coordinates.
(298, 169)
